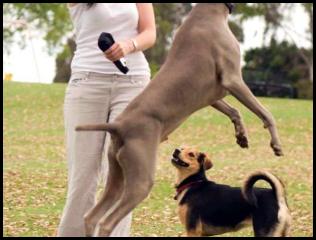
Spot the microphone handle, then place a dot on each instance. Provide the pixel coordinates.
(105, 41)
(121, 67)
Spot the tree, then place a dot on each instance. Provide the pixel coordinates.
(52, 20)
(168, 17)
(63, 61)
(275, 15)
(278, 64)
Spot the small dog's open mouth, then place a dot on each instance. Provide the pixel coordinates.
(179, 162)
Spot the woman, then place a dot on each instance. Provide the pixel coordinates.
(97, 93)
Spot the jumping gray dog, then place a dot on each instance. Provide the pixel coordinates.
(202, 65)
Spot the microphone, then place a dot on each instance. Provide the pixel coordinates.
(105, 42)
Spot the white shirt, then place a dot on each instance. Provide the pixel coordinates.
(119, 19)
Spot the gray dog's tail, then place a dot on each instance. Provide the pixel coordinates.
(109, 127)
(276, 184)
(112, 128)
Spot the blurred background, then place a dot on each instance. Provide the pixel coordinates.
(276, 42)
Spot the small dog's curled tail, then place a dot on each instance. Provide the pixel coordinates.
(276, 184)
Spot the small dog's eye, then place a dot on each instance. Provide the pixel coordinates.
(191, 154)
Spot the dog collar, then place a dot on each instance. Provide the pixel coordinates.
(230, 7)
(182, 188)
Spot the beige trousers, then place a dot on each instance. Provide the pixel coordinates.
(91, 98)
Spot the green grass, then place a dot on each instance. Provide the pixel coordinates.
(35, 175)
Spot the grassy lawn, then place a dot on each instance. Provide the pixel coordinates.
(35, 174)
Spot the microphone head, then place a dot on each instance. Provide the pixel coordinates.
(105, 41)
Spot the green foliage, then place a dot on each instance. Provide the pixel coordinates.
(249, 10)
(271, 12)
(237, 30)
(168, 17)
(52, 19)
(280, 62)
(305, 89)
(154, 68)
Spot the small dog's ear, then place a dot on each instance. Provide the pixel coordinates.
(207, 164)
(201, 158)
(205, 160)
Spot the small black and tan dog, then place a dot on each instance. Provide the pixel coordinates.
(207, 208)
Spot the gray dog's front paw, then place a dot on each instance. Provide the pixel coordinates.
(242, 140)
(277, 149)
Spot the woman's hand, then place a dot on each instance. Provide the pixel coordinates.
(144, 40)
(119, 50)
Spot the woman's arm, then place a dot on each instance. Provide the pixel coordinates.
(146, 26)
(146, 34)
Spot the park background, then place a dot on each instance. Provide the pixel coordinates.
(277, 46)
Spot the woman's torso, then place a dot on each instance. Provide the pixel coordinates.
(119, 19)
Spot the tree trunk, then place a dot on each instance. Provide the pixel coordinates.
(63, 62)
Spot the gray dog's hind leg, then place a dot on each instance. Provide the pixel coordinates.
(234, 115)
(137, 158)
(111, 194)
(236, 86)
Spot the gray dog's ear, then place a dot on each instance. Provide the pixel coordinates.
(205, 160)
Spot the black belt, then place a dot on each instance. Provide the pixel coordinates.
(230, 7)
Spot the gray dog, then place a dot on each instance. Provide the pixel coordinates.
(202, 65)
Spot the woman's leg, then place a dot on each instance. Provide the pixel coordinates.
(84, 103)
